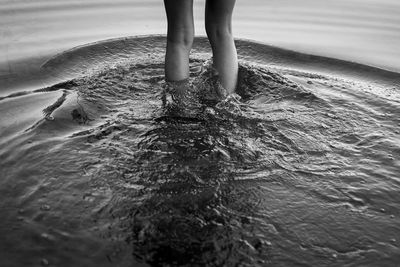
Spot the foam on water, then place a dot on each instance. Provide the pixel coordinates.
(300, 169)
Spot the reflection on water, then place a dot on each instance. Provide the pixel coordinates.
(301, 171)
(365, 31)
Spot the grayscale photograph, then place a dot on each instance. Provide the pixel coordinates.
(216, 133)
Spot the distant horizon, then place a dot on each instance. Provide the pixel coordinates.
(366, 33)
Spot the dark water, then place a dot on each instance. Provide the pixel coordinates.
(301, 168)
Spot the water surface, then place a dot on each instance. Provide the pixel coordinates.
(298, 169)
(365, 31)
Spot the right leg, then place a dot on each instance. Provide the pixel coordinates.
(219, 32)
(179, 38)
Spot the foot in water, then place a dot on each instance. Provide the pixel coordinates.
(209, 85)
(181, 99)
(189, 99)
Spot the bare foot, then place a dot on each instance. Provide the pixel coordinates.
(181, 99)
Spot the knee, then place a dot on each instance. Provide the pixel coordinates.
(218, 31)
(181, 37)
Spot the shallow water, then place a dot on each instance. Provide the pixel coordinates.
(302, 170)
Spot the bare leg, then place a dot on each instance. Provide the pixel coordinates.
(219, 32)
(179, 38)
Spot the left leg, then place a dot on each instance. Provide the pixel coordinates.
(179, 38)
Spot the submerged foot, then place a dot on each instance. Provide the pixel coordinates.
(210, 88)
(190, 99)
(181, 99)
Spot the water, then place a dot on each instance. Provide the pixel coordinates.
(365, 31)
(300, 169)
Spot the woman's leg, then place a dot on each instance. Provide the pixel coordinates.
(219, 32)
(179, 38)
